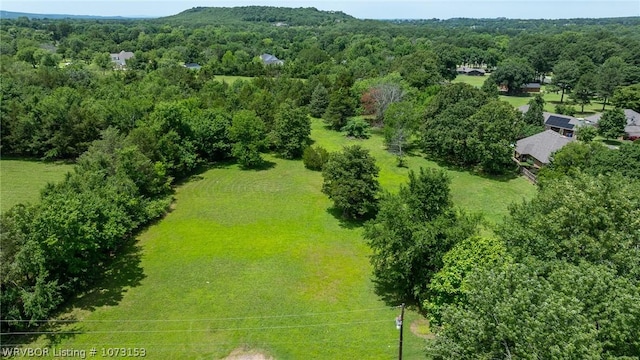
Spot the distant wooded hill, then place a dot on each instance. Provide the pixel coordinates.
(260, 14)
(14, 15)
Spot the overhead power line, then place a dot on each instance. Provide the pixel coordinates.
(204, 319)
(192, 330)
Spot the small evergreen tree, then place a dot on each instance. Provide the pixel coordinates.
(319, 101)
(357, 128)
(340, 107)
(314, 158)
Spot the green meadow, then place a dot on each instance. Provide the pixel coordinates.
(258, 261)
(552, 99)
(22, 180)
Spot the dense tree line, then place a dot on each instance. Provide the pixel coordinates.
(559, 278)
(61, 245)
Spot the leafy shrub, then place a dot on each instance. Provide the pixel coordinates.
(357, 128)
(314, 158)
(566, 110)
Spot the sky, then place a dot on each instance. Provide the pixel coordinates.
(364, 9)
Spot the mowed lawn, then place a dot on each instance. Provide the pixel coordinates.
(22, 180)
(256, 260)
(551, 98)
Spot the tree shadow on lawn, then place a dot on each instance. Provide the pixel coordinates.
(264, 165)
(122, 273)
(346, 222)
(54, 331)
(511, 175)
(390, 298)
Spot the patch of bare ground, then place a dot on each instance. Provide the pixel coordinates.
(245, 354)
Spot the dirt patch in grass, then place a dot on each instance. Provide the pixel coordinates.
(420, 328)
(244, 354)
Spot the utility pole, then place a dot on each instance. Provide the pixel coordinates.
(400, 325)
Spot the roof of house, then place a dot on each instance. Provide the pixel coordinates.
(121, 57)
(633, 123)
(633, 120)
(270, 59)
(633, 117)
(560, 121)
(193, 66)
(542, 145)
(464, 69)
(531, 86)
(593, 118)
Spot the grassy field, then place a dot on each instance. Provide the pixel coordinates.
(21, 180)
(552, 99)
(257, 260)
(229, 79)
(476, 81)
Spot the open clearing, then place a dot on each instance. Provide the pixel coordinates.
(22, 180)
(257, 260)
(552, 99)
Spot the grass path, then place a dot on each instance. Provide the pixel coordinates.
(22, 180)
(256, 260)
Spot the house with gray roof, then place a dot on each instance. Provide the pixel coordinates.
(632, 129)
(120, 59)
(563, 124)
(269, 59)
(463, 70)
(539, 147)
(192, 66)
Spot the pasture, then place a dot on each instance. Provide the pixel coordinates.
(257, 260)
(22, 180)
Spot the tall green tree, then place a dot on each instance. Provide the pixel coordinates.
(450, 285)
(247, 131)
(350, 179)
(579, 218)
(534, 116)
(583, 91)
(565, 76)
(319, 101)
(627, 97)
(401, 123)
(341, 106)
(103, 61)
(612, 124)
(513, 73)
(610, 76)
(410, 235)
(514, 313)
(291, 131)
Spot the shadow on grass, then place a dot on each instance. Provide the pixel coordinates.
(518, 95)
(38, 160)
(346, 222)
(123, 273)
(511, 175)
(53, 331)
(264, 165)
(612, 142)
(388, 295)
